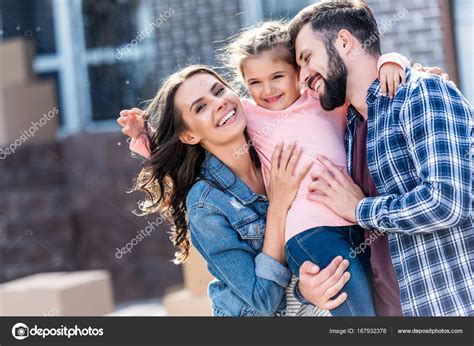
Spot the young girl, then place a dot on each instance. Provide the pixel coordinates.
(279, 111)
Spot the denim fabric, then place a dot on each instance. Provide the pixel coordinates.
(227, 224)
(321, 245)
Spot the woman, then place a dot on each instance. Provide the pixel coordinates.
(193, 175)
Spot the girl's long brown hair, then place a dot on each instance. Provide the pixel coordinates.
(173, 167)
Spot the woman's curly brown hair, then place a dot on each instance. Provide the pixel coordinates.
(173, 167)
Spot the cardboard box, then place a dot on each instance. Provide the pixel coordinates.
(16, 61)
(184, 303)
(196, 275)
(83, 293)
(28, 113)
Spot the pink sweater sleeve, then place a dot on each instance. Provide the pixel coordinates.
(395, 58)
(141, 145)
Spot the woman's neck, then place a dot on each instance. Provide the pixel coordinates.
(237, 157)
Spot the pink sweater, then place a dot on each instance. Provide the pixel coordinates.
(317, 131)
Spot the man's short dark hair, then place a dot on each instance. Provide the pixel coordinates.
(329, 17)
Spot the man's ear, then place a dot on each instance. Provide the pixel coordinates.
(345, 41)
(188, 137)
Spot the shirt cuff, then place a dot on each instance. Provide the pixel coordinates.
(269, 268)
(370, 213)
(298, 295)
(141, 145)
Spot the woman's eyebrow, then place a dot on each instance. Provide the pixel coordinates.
(195, 102)
(216, 84)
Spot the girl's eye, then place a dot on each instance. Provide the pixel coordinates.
(254, 82)
(278, 76)
(200, 108)
(307, 58)
(219, 91)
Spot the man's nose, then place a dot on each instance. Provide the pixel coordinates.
(304, 75)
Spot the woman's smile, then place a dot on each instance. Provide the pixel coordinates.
(228, 118)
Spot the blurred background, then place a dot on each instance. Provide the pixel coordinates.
(67, 68)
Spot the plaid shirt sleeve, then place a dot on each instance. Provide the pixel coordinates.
(437, 123)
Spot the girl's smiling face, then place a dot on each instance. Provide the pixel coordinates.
(272, 83)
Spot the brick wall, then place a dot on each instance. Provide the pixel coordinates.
(64, 206)
(417, 34)
(191, 36)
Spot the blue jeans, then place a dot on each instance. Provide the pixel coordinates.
(321, 245)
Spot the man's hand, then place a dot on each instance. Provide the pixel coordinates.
(335, 188)
(320, 286)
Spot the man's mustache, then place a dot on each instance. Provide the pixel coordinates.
(311, 80)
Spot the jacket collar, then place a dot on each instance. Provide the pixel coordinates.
(216, 170)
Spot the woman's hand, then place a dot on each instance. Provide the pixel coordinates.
(284, 181)
(391, 75)
(132, 121)
(320, 286)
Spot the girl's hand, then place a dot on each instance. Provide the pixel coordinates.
(133, 122)
(390, 76)
(284, 181)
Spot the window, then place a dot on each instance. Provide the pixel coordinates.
(277, 9)
(29, 18)
(33, 19)
(75, 44)
(100, 57)
(463, 13)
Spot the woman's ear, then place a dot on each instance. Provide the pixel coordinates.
(187, 137)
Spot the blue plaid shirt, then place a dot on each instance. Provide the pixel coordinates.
(419, 155)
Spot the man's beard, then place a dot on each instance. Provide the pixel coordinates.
(335, 84)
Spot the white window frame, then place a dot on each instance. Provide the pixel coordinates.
(463, 29)
(72, 60)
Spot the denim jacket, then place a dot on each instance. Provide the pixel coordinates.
(227, 224)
